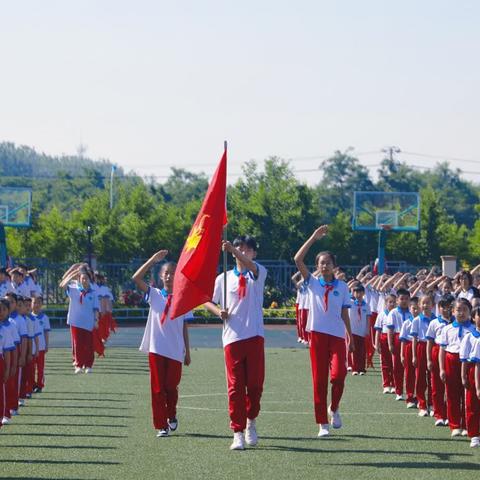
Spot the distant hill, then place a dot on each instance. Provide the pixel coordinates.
(24, 161)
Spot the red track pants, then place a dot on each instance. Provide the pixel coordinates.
(26, 379)
(328, 354)
(369, 339)
(422, 380)
(455, 391)
(409, 373)
(245, 370)
(82, 343)
(386, 361)
(472, 405)
(2, 389)
(398, 371)
(438, 387)
(359, 355)
(39, 364)
(165, 375)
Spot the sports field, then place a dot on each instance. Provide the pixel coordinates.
(98, 427)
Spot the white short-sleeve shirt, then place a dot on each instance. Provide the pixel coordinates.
(7, 343)
(406, 331)
(165, 338)
(20, 324)
(359, 314)
(396, 318)
(475, 353)
(43, 322)
(435, 328)
(420, 326)
(245, 315)
(467, 345)
(452, 335)
(381, 322)
(469, 294)
(5, 287)
(22, 289)
(373, 300)
(82, 308)
(323, 317)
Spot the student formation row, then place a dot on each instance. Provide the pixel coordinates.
(24, 332)
(426, 330)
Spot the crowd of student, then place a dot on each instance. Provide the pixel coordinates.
(426, 330)
(24, 336)
(24, 330)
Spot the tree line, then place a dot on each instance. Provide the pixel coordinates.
(267, 201)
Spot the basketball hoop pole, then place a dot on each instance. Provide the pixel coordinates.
(382, 240)
(3, 246)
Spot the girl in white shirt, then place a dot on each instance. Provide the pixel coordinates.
(166, 343)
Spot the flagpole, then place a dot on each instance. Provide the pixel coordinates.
(224, 252)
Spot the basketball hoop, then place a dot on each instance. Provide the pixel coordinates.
(385, 226)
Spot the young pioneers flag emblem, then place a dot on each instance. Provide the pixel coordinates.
(197, 267)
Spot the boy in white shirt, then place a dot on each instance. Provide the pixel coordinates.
(243, 337)
(166, 343)
(359, 322)
(43, 323)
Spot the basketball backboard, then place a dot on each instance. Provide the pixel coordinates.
(15, 206)
(397, 211)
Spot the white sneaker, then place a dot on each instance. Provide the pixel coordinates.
(354, 373)
(21, 402)
(423, 413)
(163, 432)
(14, 413)
(88, 370)
(77, 370)
(299, 340)
(172, 424)
(464, 433)
(475, 442)
(336, 419)
(238, 441)
(445, 421)
(386, 390)
(5, 421)
(413, 405)
(431, 412)
(439, 423)
(324, 430)
(362, 373)
(456, 432)
(251, 437)
(399, 398)
(349, 369)
(392, 390)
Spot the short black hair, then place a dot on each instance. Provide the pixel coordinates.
(446, 300)
(403, 291)
(329, 254)
(465, 302)
(12, 295)
(412, 299)
(359, 288)
(476, 312)
(247, 240)
(5, 303)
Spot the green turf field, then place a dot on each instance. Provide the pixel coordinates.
(98, 427)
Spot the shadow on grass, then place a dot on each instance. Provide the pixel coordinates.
(409, 439)
(413, 465)
(74, 435)
(70, 415)
(64, 447)
(92, 393)
(100, 425)
(94, 407)
(58, 462)
(109, 400)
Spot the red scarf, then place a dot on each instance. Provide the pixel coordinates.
(166, 309)
(242, 286)
(328, 289)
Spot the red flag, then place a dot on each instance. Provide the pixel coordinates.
(197, 267)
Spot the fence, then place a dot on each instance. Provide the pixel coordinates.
(119, 276)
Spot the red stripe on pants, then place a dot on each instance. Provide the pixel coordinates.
(165, 375)
(327, 353)
(409, 373)
(40, 369)
(297, 320)
(421, 373)
(455, 391)
(438, 387)
(82, 341)
(472, 404)
(359, 355)
(398, 371)
(303, 324)
(369, 339)
(26, 379)
(386, 361)
(12, 393)
(245, 371)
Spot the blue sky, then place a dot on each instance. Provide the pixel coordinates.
(154, 84)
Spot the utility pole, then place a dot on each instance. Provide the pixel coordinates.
(391, 151)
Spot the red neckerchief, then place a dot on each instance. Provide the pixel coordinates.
(166, 309)
(242, 282)
(328, 289)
